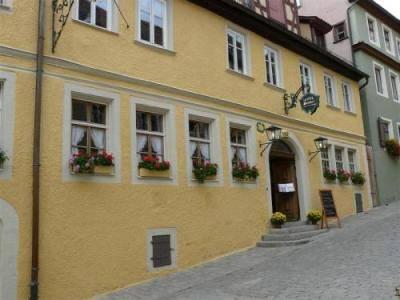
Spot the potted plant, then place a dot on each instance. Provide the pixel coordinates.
(81, 163)
(393, 148)
(3, 158)
(203, 171)
(314, 216)
(330, 175)
(103, 163)
(278, 219)
(343, 176)
(242, 172)
(358, 178)
(152, 166)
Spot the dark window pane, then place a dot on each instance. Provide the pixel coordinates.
(141, 120)
(231, 58)
(84, 10)
(203, 130)
(161, 250)
(98, 114)
(241, 137)
(101, 13)
(192, 128)
(79, 112)
(157, 123)
(240, 60)
(158, 33)
(145, 26)
(233, 135)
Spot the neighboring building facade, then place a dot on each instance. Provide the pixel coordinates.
(188, 80)
(370, 36)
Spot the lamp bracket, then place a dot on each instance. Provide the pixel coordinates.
(315, 154)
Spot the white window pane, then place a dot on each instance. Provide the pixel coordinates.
(145, 5)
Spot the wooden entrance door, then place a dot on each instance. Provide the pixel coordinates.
(283, 171)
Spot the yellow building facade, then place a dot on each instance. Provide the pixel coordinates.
(95, 231)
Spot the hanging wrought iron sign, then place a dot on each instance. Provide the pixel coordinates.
(309, 102)
(61, 11)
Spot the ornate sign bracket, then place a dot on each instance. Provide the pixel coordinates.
(61, 11)
(290, 100)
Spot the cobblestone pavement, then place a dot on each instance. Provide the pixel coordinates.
(360, 261)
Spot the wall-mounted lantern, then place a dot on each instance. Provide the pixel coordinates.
(273, 133)
(321, 144)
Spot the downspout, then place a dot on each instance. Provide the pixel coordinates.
(34, 284)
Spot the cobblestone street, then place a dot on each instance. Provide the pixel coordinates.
(360, 261)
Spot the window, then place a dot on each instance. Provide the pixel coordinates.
(238, 146)
(339, 32)
(339, 159)
(395, 84)
(272, 66)
(325, 160)
(318, 37)
(398, 131)
(199, 141)
(398, 46)
(237, 51)
(153, 22)
(351, 155)
(89, 127)
(347, 97)
(329, 90)
(161, 253)
(97, 13)
(372, 30)
(388, 39)
(306, 76)
(385, 128)
(149, 135)
(380, 80)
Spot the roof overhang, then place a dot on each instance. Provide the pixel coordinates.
(278, 34)
(362, 46)
(321, 25)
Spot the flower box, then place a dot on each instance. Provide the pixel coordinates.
(104, 170)
(80, 172)
(154, 173)
(245, 180)
(207, 178)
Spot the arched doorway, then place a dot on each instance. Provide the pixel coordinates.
(284, 187)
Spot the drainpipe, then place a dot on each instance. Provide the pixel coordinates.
(34, 284)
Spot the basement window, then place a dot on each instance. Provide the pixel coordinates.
(161, 248)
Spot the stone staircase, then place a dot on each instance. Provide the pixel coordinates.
(291, 234)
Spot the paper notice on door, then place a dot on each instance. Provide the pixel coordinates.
(286, 188)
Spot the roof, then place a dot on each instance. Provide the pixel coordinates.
(376, 10)
(275, 32)
(322, 25)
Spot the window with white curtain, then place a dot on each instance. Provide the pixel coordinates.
(237, 51)
(98, 13)
(330, 90)
(89, 127)
(351, 157)
(325, 160)
(395, 84)
(150, 135)
(200, 141)
(339, 159)
(306, 76)
(373, 30)
(272, 66)
(388, 39)
(238, 146)
(153, 21)
(380, 79)
(347, 97)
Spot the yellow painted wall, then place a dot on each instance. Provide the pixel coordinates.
(93, 236)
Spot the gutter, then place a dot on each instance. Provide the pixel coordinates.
(34, 284)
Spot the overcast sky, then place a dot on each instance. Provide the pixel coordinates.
(393, 6)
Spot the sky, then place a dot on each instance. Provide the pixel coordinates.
(393, 6)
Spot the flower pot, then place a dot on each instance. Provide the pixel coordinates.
(208, 178)
(104, 170)
(154, 173)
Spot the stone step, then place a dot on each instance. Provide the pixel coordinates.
(275, 244)
(294, 229)
(292, 236)
(292, 224)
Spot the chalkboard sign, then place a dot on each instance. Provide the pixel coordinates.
(328, 206)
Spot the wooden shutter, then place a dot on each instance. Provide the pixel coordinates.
(161, 250)
(381, 130)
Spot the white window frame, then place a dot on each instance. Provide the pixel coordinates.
(92, 94)
(391, 132)
(355, 162)
(6, 5)
(112, 17)
(398, 47)
(168, 26)
(384, 82)
(351, 107)
(251, 143)
(311, 74)
(343, 162)
(245, 50)
(334, 96)
(391, 40)
(158, 105)
(329, 159)
(397, 80)
(174, 245)
(375, 23)
(277, 66)
(7, 98)
(215, 147)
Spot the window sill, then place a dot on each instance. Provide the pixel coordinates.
(5, 8)
(341, 40)
(274, 87)
(95, 27)
(333, 107)
(154, 47)
(244, 76)
(351, 113)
